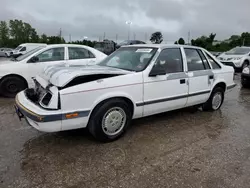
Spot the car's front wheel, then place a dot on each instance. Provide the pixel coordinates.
(11, 85)
(215, 100)
(110, 120)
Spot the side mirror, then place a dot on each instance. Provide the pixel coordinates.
(157, 70)
(34, 59)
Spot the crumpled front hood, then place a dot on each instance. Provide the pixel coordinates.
(61, 75)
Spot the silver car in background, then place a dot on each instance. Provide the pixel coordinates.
(5, 52)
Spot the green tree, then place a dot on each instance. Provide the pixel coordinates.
(156, 37)
(16, 31)
(181, 41)
(43, 38)
(4, 33)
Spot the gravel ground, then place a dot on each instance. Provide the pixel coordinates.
(183, 148)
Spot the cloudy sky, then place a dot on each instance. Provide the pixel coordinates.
(91, 18)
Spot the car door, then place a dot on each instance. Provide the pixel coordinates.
(49, 57)
(169, 91)
(200, 76)
(80, 56)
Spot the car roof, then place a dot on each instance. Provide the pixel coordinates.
(66, 45)
(161, 46)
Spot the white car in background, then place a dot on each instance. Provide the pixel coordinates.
(5, 52)
(24, 48)
(238, 57)
(133, 82)
(16, 74)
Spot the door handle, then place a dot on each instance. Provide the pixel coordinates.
(182, 81)
(211, 77)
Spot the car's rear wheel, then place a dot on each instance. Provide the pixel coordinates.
(215, 100)
(110, 120)
(11, 85)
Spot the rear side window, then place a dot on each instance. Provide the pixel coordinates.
(194, 60)
(80, 53)
(213, 63)
(205, 62)
(171, 60)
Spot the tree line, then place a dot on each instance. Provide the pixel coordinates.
(15, 32)
(209, 42)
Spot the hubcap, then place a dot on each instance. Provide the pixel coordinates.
(12, 87)
(113, 121)
(217, 100)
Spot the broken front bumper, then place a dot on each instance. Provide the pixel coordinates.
(39, 118)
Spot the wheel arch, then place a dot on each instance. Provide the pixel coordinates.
(101, 102)
(221, 84)
(15, 75)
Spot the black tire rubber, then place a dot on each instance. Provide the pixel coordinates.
(14, 80)
(244, 83)
(95, 122)
(245, 64)
(207, 106)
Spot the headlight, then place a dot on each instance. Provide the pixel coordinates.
(237, 58)
(246, 70)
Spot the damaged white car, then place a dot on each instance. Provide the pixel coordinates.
(133, 82)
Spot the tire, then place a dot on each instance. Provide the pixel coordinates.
(244, 83)
(208, 106)
(115, 108)
(245, 64)
(11, 85)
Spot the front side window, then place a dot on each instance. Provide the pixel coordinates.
(131, 58)
(18, 48)
(194, 60)
(170, 60)
(23, 49)
(22, 57)
(213, 63)
(79, 53)
(54, 54)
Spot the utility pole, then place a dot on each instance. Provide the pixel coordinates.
(116, 38)
(60, 33)
(104, 36)
(189, 37)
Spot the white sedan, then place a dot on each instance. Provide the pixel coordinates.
(16, 74)
(133, 82)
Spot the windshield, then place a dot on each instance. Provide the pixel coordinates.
(132, 58)
(18, 48)
(22, 57)
(238, 51)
